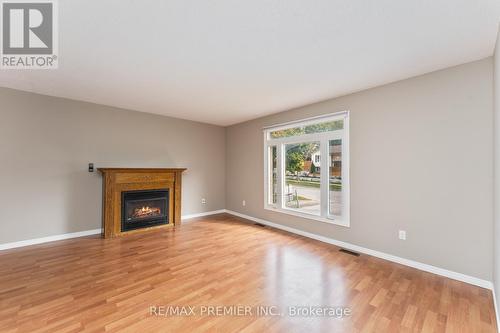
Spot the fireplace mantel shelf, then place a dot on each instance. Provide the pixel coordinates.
(119, 180)
(154, 170)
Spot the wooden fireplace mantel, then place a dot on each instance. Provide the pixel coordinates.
(117, 180)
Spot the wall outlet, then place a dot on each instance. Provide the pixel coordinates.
(203, 201)
(402, 234)
(243, 203)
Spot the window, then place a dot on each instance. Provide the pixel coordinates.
(302, 187)
(295, 182)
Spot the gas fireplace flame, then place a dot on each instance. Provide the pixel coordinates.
(146, 211)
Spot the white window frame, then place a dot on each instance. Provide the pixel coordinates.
(324, 139)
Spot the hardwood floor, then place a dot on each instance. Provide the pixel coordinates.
(95, 285)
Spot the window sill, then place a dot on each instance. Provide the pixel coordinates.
(342, 223)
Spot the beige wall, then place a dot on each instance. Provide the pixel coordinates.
(46, 144)
(421, 161)
(496, 203)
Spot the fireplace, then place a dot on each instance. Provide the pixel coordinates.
(140, 199)
(144, 209)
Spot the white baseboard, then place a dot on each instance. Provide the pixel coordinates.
(407, 262)
(47, 239)
(192, 216)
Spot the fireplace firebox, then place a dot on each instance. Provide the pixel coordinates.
(143, 209)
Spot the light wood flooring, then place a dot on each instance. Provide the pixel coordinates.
(95, 285)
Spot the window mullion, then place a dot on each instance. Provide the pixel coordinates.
(266, 175)
(280, 177)
(324, 179)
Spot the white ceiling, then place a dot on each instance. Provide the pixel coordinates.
(227, 61)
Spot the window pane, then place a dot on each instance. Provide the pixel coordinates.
(302, 178)
(308, 129)
(335, 175)
(273, 175)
